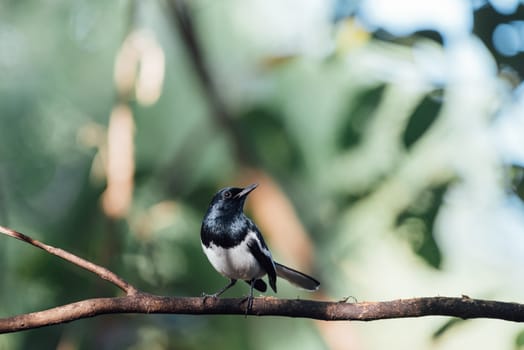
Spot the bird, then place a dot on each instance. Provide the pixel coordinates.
(236, 249)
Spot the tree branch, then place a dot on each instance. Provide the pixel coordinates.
(464, 308)
(183, 21)
(139, 302)
(98, 270)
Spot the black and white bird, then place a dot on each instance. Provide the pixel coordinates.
(235, 247)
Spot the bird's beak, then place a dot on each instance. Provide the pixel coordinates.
(246, 191)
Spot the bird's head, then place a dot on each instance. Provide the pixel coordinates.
(229, 201)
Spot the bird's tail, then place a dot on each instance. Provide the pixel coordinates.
(297, 278)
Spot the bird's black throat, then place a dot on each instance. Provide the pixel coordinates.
(224, 231)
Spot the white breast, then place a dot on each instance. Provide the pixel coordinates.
(235, 263)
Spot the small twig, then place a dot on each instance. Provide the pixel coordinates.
(98, 270)
(183, 21)
(265, 306)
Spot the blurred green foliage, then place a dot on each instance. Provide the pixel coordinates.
(376, 158)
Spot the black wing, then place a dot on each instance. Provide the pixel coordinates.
(259, 250)
(259, 285)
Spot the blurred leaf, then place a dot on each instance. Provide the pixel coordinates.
(358, 114)
(453, 322)
(417, 224)
(519, 341)
(264, 128)
(517, 180)
(422, 118)
(351, 35)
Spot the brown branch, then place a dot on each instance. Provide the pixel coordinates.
(98, 270)
(465, 308)
(138, 302)
(183, 21)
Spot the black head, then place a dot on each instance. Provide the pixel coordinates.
(229, 201)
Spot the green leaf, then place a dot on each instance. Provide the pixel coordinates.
(416, 225)
(422, 118)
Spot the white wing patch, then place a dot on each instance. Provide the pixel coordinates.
(237, 262)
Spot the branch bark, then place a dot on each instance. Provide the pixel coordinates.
(139, 302)
(98, 270)
(465, 308)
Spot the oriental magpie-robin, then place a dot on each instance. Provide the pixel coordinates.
(234, 246)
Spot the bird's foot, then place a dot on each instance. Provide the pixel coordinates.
(249, 300)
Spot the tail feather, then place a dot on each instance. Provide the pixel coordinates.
(297, 278)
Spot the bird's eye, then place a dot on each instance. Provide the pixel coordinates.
(227, 194)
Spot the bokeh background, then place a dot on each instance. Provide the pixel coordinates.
(387, 138)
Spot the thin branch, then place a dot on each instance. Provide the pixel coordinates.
(465, 308)
(138, 302)
(98, 270)
(183, 20)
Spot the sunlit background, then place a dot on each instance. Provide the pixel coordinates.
(387, 138)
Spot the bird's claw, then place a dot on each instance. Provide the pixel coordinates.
(249, 300)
